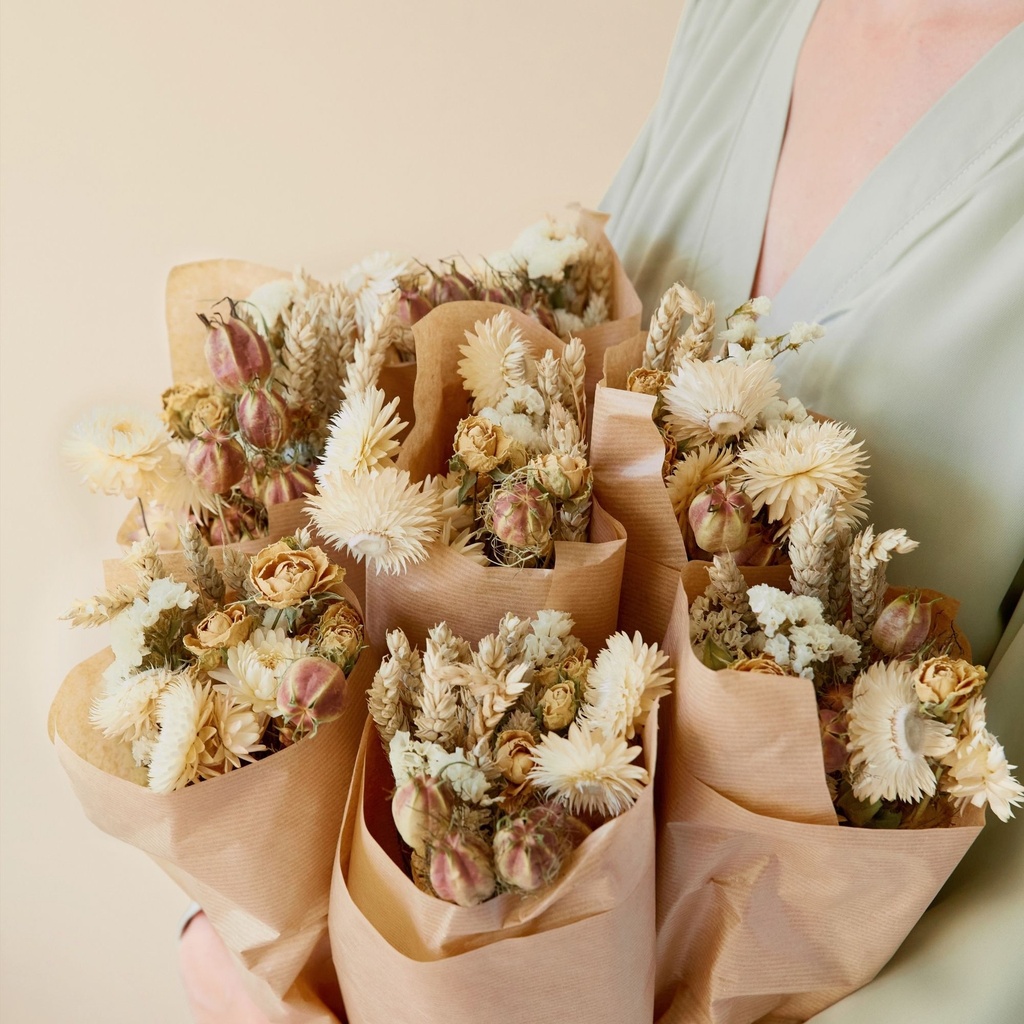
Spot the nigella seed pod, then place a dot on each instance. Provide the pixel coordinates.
(903, 625)
(422, 808)
(262, 418)
(287, 484)
(413, 306)
(461, 871)
(720, 518)
(456, 287)
(312, 692)
(216, 461)
(236, 354)
(530, 848)
(521, 517)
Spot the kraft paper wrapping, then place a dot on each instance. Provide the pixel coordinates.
(585, 579)
(253, 847)
(768, 909)
(626, 454)
(626, 308)
(581, 951)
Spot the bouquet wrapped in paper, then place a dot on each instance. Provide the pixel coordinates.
(218, 735)
(487, 505)
(502, 827)
(819, 787)
(687, 447)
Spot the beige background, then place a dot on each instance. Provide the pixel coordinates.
(137, 136)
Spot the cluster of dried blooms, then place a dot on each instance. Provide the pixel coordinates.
(229, 667)
(505, 757)
(518, 477)
(902, 716)
(551, 271)
(741, 463)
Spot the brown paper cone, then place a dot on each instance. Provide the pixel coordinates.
(626, 308)
(626, 454)
(581, 951)
(253, 847)
(768, 909)
(585, 579)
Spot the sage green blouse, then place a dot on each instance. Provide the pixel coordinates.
(919, 283)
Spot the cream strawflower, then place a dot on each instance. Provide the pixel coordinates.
(255, 667)
(977, 769)
(587, 772)
(381, 517)
(183, 748)
(543, 249)
(370, 281)
(788, 470)
(699, 467)
(239, 731)
(362, 435)
(890, 739)
(127, 708)
(716, 401)
(122, 451)
(495, 358)
(623, 685)
(271, 300)
(550, 638)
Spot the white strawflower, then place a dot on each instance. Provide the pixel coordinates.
(495, 358)
(716, 401)
(788, 470)
(623, 685)
(587, 772)
(977, 770)
(890, 739)
(255, 668)
(239, 731)
(699, 467)
(122, 451)
(547, 641)
(127, 708)
(381, 517)
(182, 750)
(362, 435)
(370, 281)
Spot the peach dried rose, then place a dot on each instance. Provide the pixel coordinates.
(948, 680)
(514, 758)
(481, 444)
(283, 576)
(762, 663)
(558, 705)
(223, 627)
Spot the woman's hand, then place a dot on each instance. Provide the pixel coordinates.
(213, 984)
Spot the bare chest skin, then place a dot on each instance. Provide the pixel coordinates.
(868, 70)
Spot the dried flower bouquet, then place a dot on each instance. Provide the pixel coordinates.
(837, 702)
(257, 667)
(513, 774)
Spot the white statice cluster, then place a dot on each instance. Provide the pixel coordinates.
(543, 250)
(796, 634)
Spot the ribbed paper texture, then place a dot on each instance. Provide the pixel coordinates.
(768, 909)
(581, 951)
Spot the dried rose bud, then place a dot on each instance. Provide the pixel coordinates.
(461, 871)
(514, 756)
(720, 518)
(561, 475)
(237, 355)
(422, 809)
(647, 382)
(287, 484)
(531, 847)
(558, 705)
(902, 625)
(311, 693)
(521, 517)
(481, 444)
(263, 418)
(216, 461)
(948, 681)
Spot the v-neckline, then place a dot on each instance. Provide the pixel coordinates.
(899, 183)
